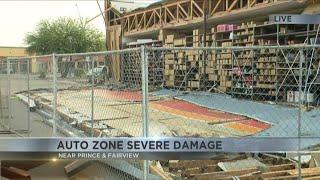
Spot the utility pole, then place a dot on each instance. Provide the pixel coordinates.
(107, 5)
(78, 12)
(205, 17)
(106, 15)
(101, 11)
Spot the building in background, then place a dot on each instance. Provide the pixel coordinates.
(12, 52)
(7, 52)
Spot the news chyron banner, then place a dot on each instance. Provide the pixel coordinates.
(138, 148)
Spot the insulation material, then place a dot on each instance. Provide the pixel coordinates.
(249, 126)
(234, 123)
(190, 128)
(192, 111)
(244, 128)
(119, 95)
(283, 118)
(255, 123)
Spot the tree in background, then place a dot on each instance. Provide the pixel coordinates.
(64, 35)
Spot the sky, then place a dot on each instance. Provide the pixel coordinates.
(20, 17)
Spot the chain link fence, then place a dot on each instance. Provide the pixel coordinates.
(239, 91)
(5, 95)
(248, 92)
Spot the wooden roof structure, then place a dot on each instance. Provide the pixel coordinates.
(189, 13)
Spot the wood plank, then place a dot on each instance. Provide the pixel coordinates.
(253, 3)
(312, 178)
(291, 173)
(232, 5)
(197, 6)
(192, 164)
(132, 23)
(141, 20)
(14, 173)
(203, 163)
(248, 173)
(182, 10)
(75, 167)
(281, 167)
(161, 173)
(259, 174)
(198, 170)
(294, 177)
(150, 18)
(223, 174)
(216, 7)
(171, 15)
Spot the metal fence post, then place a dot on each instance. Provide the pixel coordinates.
(1, 108)
(54, 101)
(145, 103)
(28, 82)
(92, 96)
(299, 113)
(9, 93)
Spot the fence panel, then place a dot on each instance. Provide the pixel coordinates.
(225, 92)
(103, 89)
(309, 97)
(73, 97)
(40, 90)
(103, 96)
(247, 92)
(261, 83)
(19, 84)
(5, 95)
